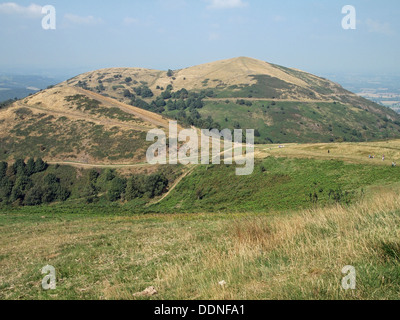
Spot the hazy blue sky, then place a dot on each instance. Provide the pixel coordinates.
(162, 34)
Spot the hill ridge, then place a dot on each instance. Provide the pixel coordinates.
(103, 116)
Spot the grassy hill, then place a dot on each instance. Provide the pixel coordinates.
(282, 104)
(74, 125)
(102, 117)
(112, 224)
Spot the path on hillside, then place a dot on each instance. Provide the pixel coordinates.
(102, 165)
(267, 99)
(94, 165)
(183, 176)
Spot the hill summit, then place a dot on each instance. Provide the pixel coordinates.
(240, 77)
(103, 116)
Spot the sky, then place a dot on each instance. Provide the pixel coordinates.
(174, 34)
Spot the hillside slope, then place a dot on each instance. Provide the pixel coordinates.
(234, 78)
(282, 104)
(102, 117)
(71, 124)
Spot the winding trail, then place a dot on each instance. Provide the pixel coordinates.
(176, 183)
(94, 165)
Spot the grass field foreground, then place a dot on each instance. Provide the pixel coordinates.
(259, 256)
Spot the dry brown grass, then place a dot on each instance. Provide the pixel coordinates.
(349, 152)
(229, 72)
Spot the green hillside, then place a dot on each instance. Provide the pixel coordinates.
(281, 104)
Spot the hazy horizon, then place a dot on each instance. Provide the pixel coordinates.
(175, 34)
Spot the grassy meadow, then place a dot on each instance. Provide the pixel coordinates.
(263, 234)
(260, 256)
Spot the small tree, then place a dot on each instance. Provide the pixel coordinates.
(6, 187)
(170, 73)
(117, 188)
(127, 93)
(22, 185)
(146, 92)
(34, 196)
(40, 165)
(19, 167)
(236, 125)
(133, 189)
(3, 169)
(30, 167)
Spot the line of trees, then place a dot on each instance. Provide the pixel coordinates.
(32, 183)
(119, 188)
(17, 186)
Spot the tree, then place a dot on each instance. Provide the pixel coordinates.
(128, 79)
(91, 191)
(236, 125)
(158, 184)
(127, 93)
(117, 188)
(170, 73)
(6, 187)
(93, 175)
(142, 185)
(138, 91)
(40, 165)
(100, 88)
(19, 167)
(153, 185)
(146, 92)
(141, 104)
(132, 188)
(171, 106)
(21, 186)
(52, 189)
(166, 95)
(160, 103)
(109, 175)
(30, 167)
(3, 169)
(34, 196)
(209, 93)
